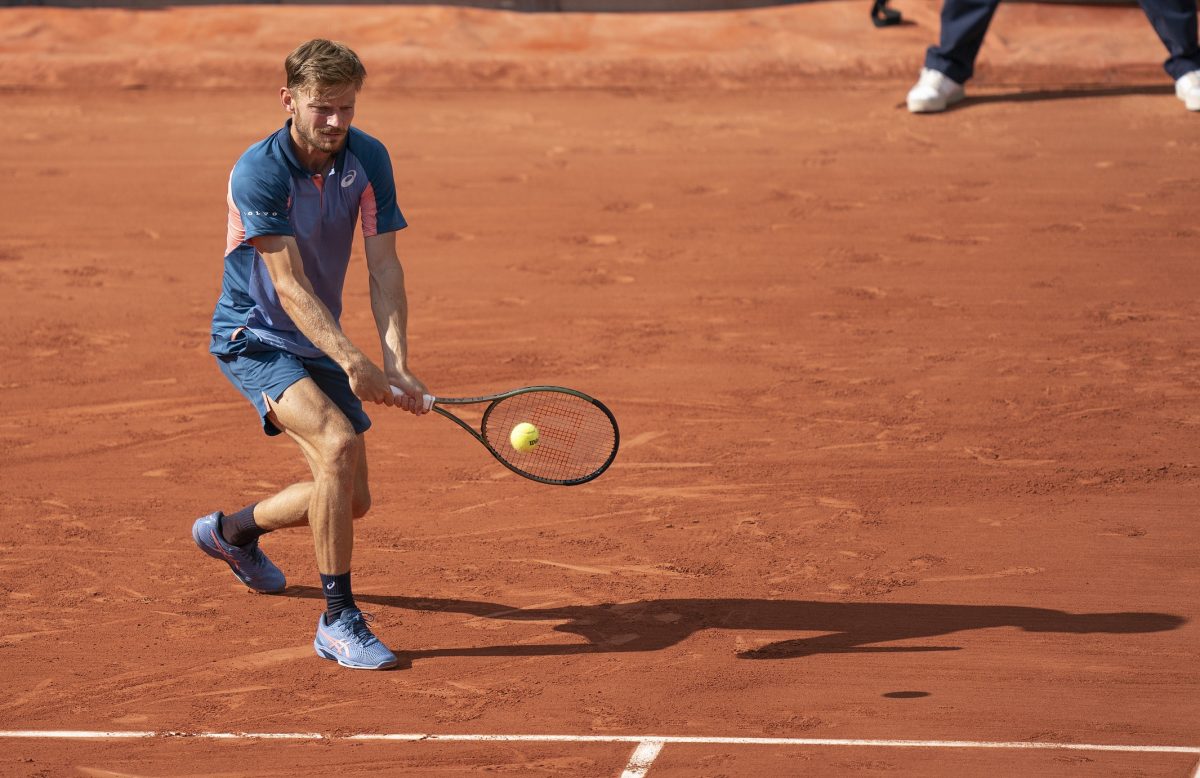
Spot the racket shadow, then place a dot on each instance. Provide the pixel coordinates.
(847, 627)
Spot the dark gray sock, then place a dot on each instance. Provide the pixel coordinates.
(239, 528)
(338, 596)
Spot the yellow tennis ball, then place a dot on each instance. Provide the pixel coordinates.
(524, 437)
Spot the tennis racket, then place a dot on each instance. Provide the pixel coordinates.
(578, 436)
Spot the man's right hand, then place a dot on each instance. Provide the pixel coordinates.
(369, 384)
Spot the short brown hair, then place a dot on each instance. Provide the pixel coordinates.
(320, 64)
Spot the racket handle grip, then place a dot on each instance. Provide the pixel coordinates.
(427, 400)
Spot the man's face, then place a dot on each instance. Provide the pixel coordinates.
(321, 117)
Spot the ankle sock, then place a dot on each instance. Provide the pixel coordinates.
(338, 596)
(239, 528)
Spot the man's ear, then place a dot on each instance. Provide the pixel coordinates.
(285, 97)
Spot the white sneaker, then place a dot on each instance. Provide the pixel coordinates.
(1187, 89)
(935, 91)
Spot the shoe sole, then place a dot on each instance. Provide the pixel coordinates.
(321, 652)
(929, 106)
(216, 555)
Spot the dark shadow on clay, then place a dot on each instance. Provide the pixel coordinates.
(849, 627)
(1066, 93)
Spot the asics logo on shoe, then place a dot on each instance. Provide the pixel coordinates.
(230, 558)
(220, 550)
(337, 644)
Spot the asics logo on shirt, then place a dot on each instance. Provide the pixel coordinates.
(348, 179)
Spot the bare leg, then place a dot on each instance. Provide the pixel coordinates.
(332, 449)
(337, 493)
(289, 508)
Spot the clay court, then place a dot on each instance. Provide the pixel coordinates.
(909, 404)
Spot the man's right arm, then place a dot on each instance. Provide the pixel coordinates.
(282, 257)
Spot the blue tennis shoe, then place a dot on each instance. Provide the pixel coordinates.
(247, 562)
(350, 642)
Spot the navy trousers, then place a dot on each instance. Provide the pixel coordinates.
(965, 22)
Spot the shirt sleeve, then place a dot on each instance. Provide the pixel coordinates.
(261, 192)
(377, 206)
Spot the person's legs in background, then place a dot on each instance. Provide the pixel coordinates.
(950, 63)
(1175, 23)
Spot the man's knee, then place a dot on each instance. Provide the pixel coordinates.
(337, 453)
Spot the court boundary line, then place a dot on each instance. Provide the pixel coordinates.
(650, 741)
(644, 754)
(643, 757)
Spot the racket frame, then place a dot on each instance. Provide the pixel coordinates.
(493, 400)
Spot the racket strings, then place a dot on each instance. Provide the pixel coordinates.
(576, 438)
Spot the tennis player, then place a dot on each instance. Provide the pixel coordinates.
(294, 199)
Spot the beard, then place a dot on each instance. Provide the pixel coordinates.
(326, 141)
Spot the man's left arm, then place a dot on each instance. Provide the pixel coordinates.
(389, 304)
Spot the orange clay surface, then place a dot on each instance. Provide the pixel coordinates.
(903, 399)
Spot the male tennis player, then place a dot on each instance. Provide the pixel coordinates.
(294, 199)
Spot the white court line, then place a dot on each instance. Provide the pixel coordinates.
(643, 756)
(663, 739)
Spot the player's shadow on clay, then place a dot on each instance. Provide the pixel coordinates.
(1067, 93)
(847, 627)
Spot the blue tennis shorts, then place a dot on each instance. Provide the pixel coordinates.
(256, 368)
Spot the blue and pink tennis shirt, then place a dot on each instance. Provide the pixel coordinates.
(271, 193)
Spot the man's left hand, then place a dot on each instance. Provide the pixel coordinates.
(413, 391)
